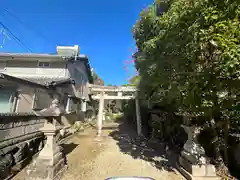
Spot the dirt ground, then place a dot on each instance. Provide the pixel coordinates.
(117, 154)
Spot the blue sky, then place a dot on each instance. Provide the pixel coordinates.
(102, 29)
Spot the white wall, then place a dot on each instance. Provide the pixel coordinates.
(30, 68)
(78, 72)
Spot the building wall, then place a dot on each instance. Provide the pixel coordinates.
(25, 102)
(41, 100)
(78, 72)
(30, 68)
(29, 99)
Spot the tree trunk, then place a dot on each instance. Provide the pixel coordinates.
(226, 141)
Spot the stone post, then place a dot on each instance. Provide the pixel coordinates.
(83, 105)
(83, 108)
(100, 114)
(68, 105)
(138, 115)
(50, 163)
(119, 94)
(192, 161)
(104, 116)
(15, 100)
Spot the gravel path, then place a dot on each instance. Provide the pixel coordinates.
(115, 155)
(105, 159)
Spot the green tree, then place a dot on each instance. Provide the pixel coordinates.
(96, 79)
(190, 54)
(189, 57)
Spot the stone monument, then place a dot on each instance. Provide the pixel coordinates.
(192, 162)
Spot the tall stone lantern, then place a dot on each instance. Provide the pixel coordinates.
(50, 163)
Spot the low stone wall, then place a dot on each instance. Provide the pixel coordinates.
(20, 138)
(68, 124)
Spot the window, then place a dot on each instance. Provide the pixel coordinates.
(43, 64)
(2, 66)
(5, 101)
(41, 100)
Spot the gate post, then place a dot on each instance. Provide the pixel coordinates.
(138, 115)
(100, 114)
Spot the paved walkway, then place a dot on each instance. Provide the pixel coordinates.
(116, 155)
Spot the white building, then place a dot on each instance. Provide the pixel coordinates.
(68, 65)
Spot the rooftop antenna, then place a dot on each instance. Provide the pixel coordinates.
(5, 36)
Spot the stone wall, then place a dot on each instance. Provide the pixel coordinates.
(20, 138)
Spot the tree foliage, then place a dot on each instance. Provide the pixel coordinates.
(96, 79)
(189, 56)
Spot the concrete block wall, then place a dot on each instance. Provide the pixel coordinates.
(20, 138)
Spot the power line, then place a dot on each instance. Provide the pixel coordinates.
(28, 27)
(15, 37)
(5, 37)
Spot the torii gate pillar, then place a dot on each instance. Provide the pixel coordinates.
(138, 115)
(100, 114)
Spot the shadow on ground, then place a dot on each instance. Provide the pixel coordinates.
(110, 128)
(68, 148)
(155, 153)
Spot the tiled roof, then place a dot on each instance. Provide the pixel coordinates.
(22, 81)
(39, 82)
(17, 114)
(43, 80)
(33, 55)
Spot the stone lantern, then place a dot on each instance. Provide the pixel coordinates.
(50, 162)
(192, 162)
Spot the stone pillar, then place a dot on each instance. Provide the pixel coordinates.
(68, 105)
(119, 102)
(104, 116)
(138, 115)
(100, 114)
(192, 160)
(84, 105)
(50, 163)
(82, 108)
(15, 100)
(119, 94)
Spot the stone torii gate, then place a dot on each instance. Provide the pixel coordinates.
(114, 93)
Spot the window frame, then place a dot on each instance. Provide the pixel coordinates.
(39, 62)
(4, 64)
